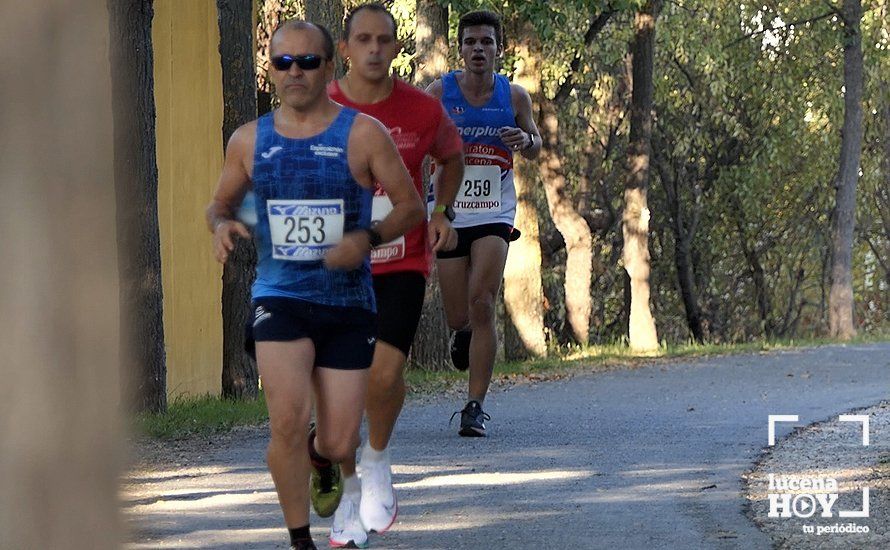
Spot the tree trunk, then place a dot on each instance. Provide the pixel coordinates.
(523, 289)
(268, 18)
(430, 348)
(239, 372)
(642, 335)
(431, 42)
(136, 187)
(573, 228)
(764, 304)
(755, 269)
(330, 14)
(761, 290)
(882, 193)
(683, 235)
(840, 298)
(59, 450)
(686, 279)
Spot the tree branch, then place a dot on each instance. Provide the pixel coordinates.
(833, 8)
(596, 26)
(685, 72)
(780, 27)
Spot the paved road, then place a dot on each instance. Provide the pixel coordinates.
(644, 458)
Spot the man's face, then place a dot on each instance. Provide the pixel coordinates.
(479, 48)
(300, 88)
(371, 46)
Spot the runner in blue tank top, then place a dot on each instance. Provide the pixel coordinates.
(313, 165)
(495, 120)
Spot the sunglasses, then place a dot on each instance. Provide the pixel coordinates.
(305, 62)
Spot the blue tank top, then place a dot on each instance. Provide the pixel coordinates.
(487, 193)
(306, 199)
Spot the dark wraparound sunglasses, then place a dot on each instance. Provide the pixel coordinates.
(305, 62)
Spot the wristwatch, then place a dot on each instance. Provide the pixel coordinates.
(531, 141)
(374, 238)
(447, 210)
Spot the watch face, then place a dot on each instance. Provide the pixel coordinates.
(374, 238)
(449, 213)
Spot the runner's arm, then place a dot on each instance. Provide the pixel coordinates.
(523, 138)
(234, 182)
(379, 161)
(387, 168)
(447, 151)
(435, 88)
(522, 106)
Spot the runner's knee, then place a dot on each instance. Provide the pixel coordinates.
(458, 323)
(337, 447)
(386, 381)
(482, 309)
(290, 427)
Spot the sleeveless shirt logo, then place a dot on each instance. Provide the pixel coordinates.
(326, 151)
(478, 131)
(457, 109)
(402, 139)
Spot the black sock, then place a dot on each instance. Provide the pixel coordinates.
(300, 534)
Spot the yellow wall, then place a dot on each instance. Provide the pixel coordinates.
(188, 96)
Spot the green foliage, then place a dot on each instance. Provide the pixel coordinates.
(763, 109)
(404, 13)
(201, 416)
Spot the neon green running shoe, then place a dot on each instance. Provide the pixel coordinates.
(325, 485)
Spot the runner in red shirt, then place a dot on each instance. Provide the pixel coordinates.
(419, 126)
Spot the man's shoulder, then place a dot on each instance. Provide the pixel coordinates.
(435, 87)
(514, 87)
(411, 107)
(244, 135)
(408, 92)
(251, 126)
(366, 125)
(518, 90)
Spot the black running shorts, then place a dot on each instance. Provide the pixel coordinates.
(344, 337)
(399, 303)
(466, 236)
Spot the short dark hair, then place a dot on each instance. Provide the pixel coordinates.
(300, 25)
(373, 6)
(476, 18)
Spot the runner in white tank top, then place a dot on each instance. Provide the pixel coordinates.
(495, 120)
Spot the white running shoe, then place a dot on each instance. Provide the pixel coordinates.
(347, 530)
(378, 509)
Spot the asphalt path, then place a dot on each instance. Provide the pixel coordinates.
(650, 457)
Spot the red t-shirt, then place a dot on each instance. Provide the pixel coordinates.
(419, 126)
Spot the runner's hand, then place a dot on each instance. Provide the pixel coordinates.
(349, 253)
(224, 238)
(516, 139)
(451, 244)
(442, 236)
